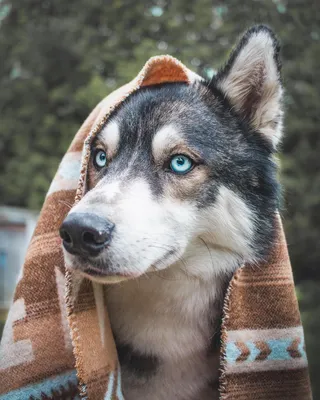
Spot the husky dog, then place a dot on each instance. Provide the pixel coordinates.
(182, 191)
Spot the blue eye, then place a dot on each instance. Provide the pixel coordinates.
(181, 164)
(100, 159)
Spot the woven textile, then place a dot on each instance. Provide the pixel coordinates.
(57, 342)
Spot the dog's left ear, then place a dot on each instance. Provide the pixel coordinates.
(251, 82)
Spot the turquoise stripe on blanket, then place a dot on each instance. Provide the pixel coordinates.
(45, 387)
(278, 350)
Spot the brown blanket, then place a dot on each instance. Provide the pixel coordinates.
(42, 356)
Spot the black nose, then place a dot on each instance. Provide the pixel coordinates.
(85, 233)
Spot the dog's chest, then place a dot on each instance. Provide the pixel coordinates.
(164, 328)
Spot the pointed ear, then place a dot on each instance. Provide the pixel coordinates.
(251, 82)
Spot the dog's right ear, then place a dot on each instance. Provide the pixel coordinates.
(251, 82)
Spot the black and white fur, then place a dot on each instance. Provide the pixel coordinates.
(179, 238)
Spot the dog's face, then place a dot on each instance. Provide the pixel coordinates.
(177, 166)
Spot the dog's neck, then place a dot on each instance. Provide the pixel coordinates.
(187, 296)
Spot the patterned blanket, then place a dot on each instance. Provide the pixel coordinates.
(57, 341)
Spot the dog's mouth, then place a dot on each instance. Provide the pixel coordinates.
(100, 271)
(94, 270)
(104, 277)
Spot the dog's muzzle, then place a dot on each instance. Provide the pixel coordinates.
(86, 234)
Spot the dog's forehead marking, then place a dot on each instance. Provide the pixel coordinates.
(110, 135)
(166, 137)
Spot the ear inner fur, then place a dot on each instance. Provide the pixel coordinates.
(251, 82)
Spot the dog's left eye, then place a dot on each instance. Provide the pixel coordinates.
(181, 164)
(100, 159)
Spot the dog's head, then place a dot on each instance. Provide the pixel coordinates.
(180, 165)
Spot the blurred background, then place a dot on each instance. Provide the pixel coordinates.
(59, 58)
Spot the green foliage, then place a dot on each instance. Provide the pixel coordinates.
(309, 299)
(59, 58)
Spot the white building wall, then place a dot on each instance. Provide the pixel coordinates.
(16, 229)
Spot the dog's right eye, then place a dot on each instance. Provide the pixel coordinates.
(99, 159)
(181, 164)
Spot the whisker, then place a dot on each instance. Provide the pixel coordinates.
(205, 243)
